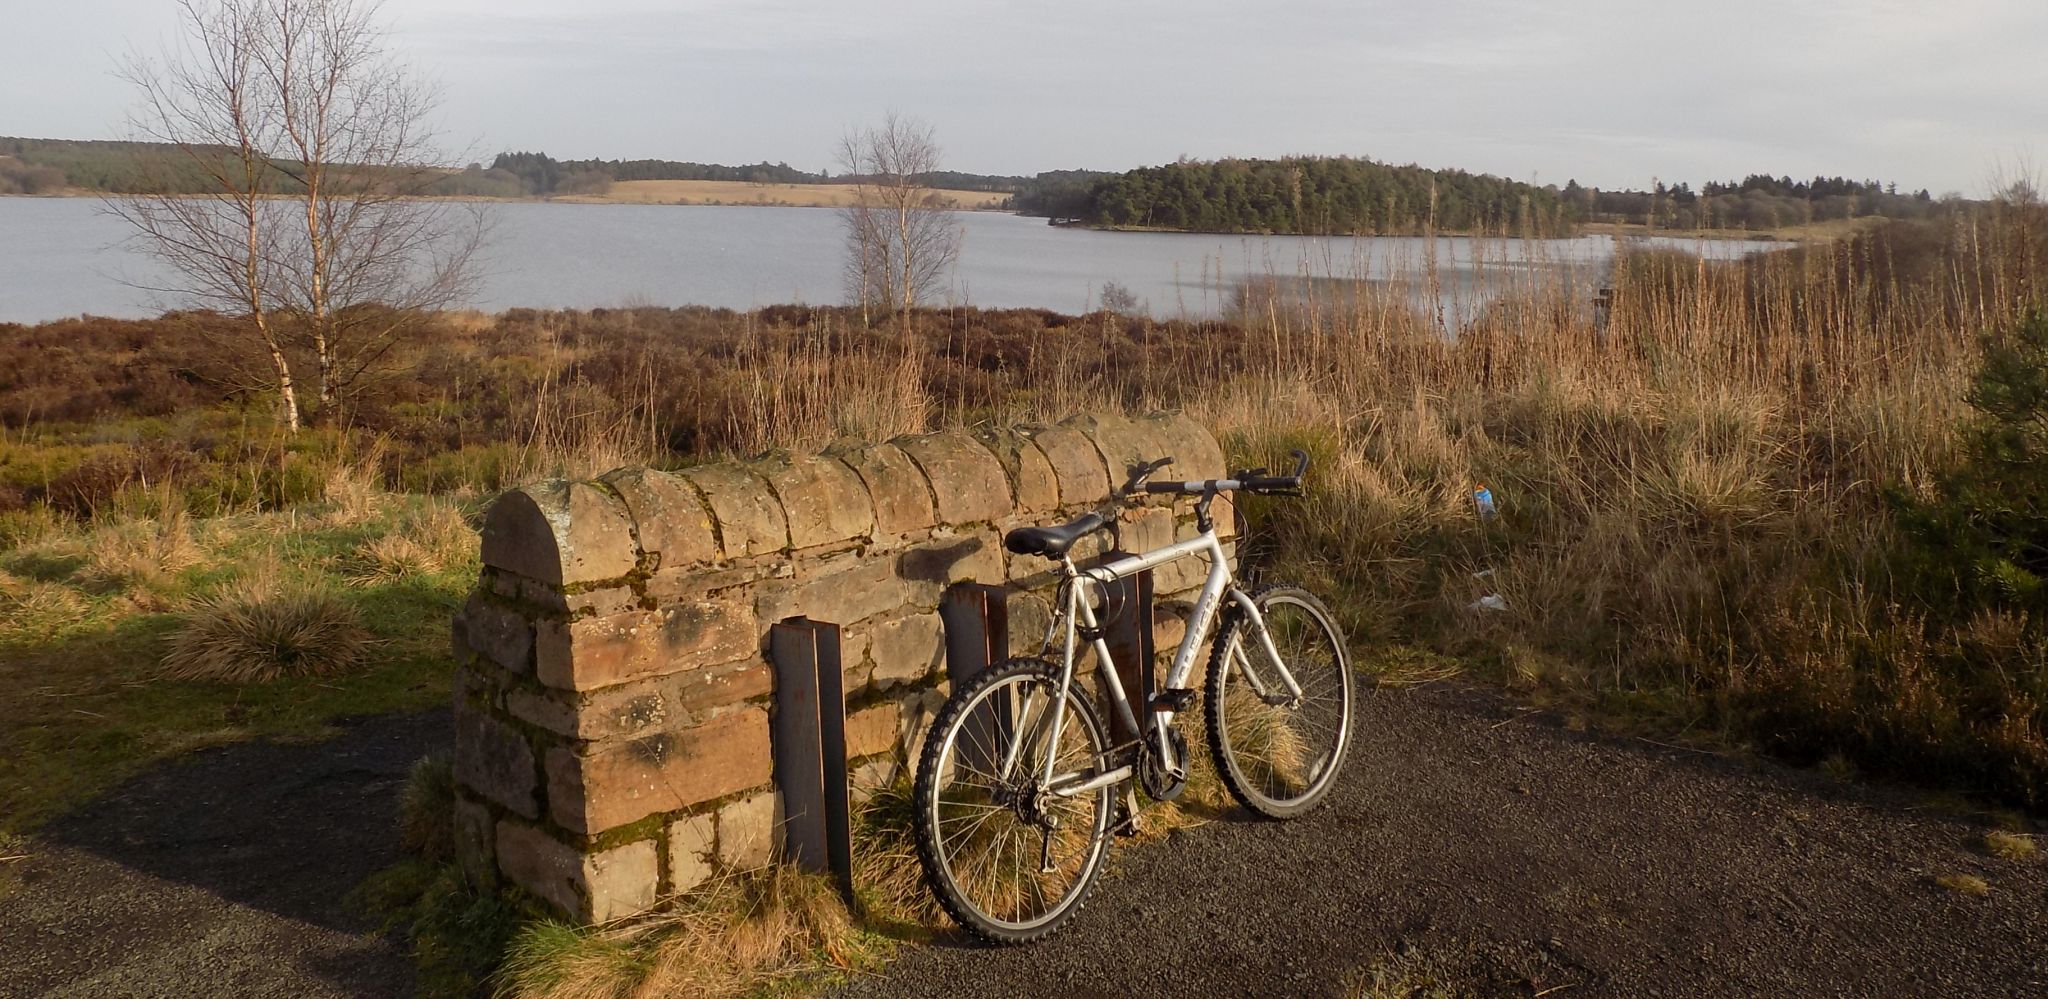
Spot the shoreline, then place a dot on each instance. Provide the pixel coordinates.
(1802, 233)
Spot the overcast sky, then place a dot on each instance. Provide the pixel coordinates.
(1930, 93)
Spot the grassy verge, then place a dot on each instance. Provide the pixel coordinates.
(89, 610)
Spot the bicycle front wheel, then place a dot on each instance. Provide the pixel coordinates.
(1010, 856)
(1277, 750)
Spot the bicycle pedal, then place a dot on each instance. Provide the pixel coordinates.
(1175, 700)
(1127, 823)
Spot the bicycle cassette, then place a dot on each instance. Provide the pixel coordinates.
(1161, 784)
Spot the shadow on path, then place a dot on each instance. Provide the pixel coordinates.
(222, 873)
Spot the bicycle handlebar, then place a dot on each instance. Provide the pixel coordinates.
(1254, 480)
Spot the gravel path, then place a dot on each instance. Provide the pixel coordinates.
(221, 874)
(1483, 847)
(1468, 843)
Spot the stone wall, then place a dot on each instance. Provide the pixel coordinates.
(613, 695)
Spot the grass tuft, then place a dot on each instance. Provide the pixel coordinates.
(1964, 884)
(2009, 846)
(252, 637)
(426, 810)
(736, 935)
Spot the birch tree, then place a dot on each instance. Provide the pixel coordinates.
(203, 101)
(901, 237)
(314, 143)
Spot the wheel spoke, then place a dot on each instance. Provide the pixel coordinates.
(986, 825)
(1279, 758)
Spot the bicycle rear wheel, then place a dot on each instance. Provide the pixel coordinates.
(1007, 857)
(1279, 753)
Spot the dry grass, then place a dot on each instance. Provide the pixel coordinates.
(141, 556)
(1964, 884)
(426, 810)
(735, 192)
(733, 936)
(2009, 846)
(251, 636)
(430, 539)
(33, 608)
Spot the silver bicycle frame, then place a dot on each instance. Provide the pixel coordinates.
(1079, 612)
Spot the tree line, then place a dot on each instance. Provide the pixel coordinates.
(1298, 194)
(1758, 201)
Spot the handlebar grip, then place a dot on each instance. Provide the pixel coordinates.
(1280, 485)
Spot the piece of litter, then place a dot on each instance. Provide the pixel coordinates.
(1482, 498)
(1491, 601)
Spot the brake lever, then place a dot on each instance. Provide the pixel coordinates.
(1139, 473)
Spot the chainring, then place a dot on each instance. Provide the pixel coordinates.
(1159, 783)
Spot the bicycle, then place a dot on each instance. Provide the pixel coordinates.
(1016, 788)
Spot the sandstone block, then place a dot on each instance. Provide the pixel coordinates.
(747, 831)
(873, 729)
(1146, 528)
(1194, 449)
(627, 710)
(843, 590)
(560, 533)
(496, 632)
(905, 649)
(1077, 466)
(931, 566)
(1168, 629)
(493, 759)
(697, 582)
(1123, 443)
(625, 781)
(1031, 476)
(1030, 614)
(475, 845)
(918, 713)
(967, 481)
(749, 517)
(692, 842)
(592, 652)
(668, 515)
(1224, 510)
(596, 887)
(824, 501)
(869, 777)
(902, 496)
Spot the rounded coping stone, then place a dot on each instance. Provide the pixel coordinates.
(1031, 474)
(669, 517)
(750, 519)
(901, 494)
(561, 533)
(823, 500)
(967, 481)
(1123, 442)
(1077, 465)
(1196, 452)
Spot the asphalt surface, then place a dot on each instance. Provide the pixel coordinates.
(221, 875)
(1491, 852)
(1469, 843)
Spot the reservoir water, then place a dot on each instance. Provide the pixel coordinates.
(64, 257)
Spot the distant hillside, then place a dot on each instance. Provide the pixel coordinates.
(541, 174)
(1303, 194)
